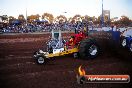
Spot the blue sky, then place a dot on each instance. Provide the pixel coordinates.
(72, 7)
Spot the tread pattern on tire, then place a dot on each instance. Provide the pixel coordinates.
(84, 45)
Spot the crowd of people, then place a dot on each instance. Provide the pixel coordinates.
(44, 27)
(30, 27)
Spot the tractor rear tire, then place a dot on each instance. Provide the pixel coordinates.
(130, 46)
(88, 48)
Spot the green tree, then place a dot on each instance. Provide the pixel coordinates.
(77, 18)
(11, 18)
(48, 16)
(125, 21)
(32, 18)
(61, 19)
(5, 18)
(21, 18)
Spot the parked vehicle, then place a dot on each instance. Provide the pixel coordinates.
(127, 39)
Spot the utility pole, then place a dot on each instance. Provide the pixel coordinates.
(102, 18)
(26, 16)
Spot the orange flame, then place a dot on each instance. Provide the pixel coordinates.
(81, 71)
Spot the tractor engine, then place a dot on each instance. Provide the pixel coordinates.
(56, 43)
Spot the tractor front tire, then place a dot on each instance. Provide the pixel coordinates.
(124, 43)
(88, 49)
(41, 60)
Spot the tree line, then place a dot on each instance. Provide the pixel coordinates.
(124, 20)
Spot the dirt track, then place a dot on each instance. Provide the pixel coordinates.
(18, 69)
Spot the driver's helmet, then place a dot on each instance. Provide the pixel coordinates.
(72, 38)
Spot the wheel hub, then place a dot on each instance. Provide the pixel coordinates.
(131, 47)
(124, 43)
(75, 55)
(93, 50)
(40, 60)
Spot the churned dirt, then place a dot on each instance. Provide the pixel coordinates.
(18, 69)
